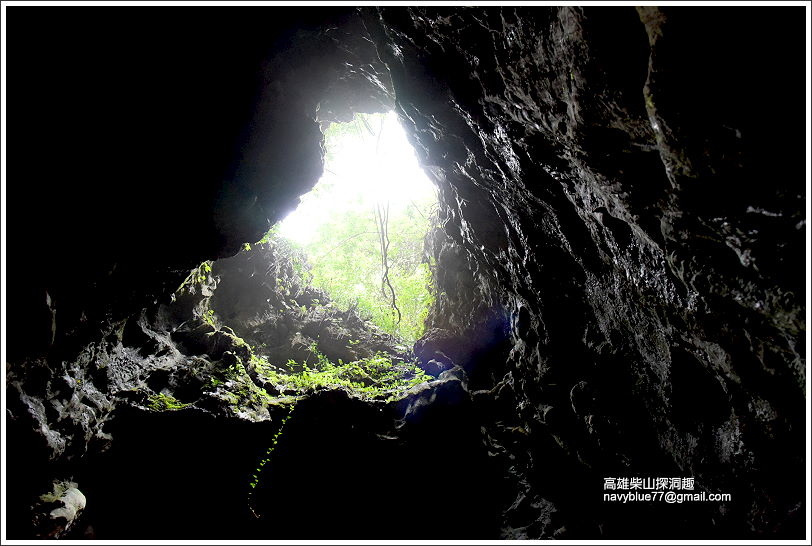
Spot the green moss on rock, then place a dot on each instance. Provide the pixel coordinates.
(163, 402)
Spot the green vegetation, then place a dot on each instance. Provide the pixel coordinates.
(59, 490)
(346, 263)
(204, 271)
(231, 382)
(199, 275)
(363, 236)
(374, 377)
(266, 459)
(163, 402)
(208, 317)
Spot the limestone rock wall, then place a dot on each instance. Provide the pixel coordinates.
(611, 186)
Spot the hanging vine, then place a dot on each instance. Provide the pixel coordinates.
(382, 220)
(255, 478)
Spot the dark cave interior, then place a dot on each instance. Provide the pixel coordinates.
(619, 277)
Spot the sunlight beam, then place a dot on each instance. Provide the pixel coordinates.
(372, 163)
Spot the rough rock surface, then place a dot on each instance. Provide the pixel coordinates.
(58, 510)
(262, 296)
(619, 269)
(180, 365)
(611, 188)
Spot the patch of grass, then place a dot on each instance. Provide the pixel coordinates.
(163, 402)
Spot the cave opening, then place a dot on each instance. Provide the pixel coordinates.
(277, 328)
(336, 294)
(363, 225)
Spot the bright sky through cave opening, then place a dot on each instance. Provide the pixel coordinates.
(374, 163)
